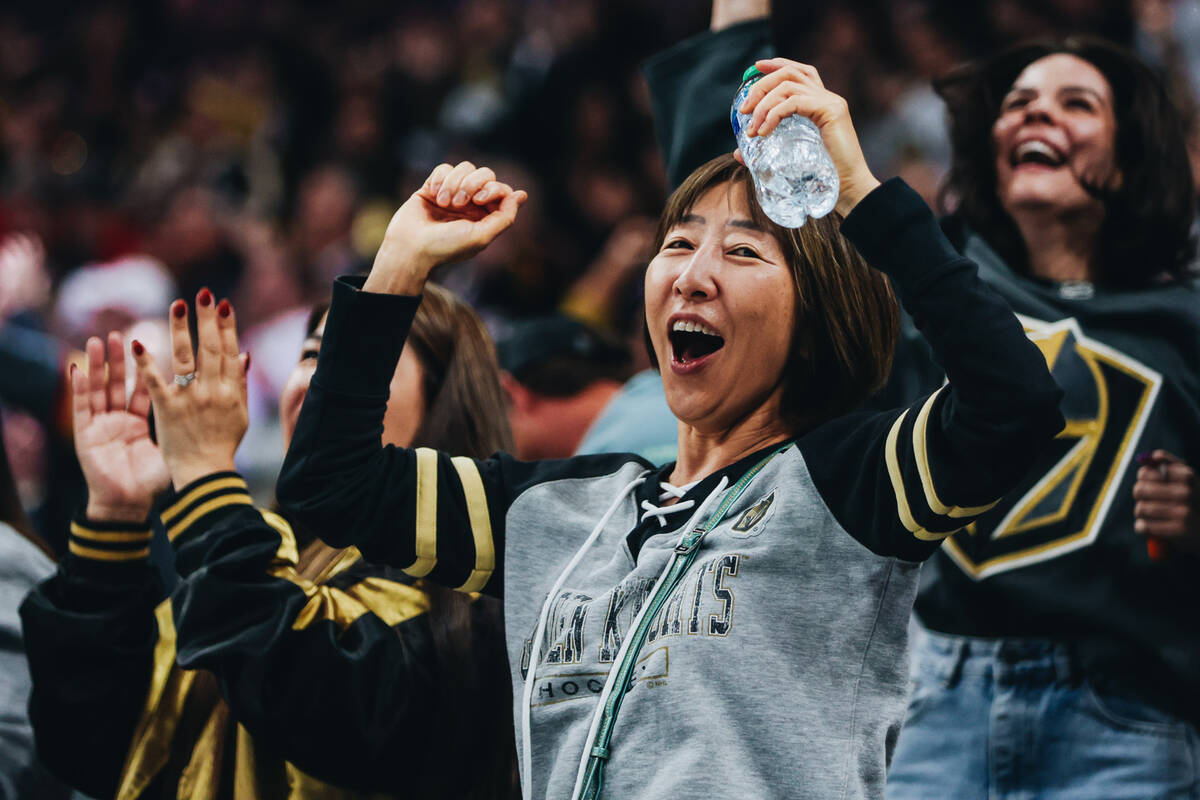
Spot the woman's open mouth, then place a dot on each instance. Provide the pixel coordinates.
(692, 343)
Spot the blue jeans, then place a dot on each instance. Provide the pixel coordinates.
(1011, 719)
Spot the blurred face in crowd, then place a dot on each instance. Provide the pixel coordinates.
(406, 400)
(1056, 133)
(720, 306)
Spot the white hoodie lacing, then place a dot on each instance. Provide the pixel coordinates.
(668, 491)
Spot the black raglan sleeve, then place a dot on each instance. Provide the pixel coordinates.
(901, 481)
(90, 635)
(692, 86)
(338, 675)
(434, 516)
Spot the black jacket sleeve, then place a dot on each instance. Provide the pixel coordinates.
(90, 634)
(901, 481)
(434, 516)
(692, 86)
(339, 675)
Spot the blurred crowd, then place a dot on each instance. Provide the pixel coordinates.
(148, 149)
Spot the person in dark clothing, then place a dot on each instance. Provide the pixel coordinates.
(25, 559)
(1052, 616)
(235, 686)
(743, 611)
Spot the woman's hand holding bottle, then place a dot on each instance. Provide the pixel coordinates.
(789, 87)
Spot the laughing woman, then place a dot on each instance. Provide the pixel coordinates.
(740, 615)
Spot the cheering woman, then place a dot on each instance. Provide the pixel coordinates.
(740, 615)
(1064, 610)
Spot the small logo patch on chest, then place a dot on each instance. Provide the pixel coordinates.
(754, 519)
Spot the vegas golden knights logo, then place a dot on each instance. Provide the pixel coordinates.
(1061, 505)
(755, 515)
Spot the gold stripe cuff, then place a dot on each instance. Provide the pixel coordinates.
(109, 555)
(91, 534)
(902, 508)
(208, 487)
(481, 524)
(427, 491)
(207, 508)
(921, 452)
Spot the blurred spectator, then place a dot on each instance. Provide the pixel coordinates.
(24, 561)
(559, 376)
(112, 296)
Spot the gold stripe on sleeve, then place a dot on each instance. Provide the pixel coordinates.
(207, 508)
(208, 487)
(109, 555)
(481, 524)
(81, 532)
(902, 508)
(427, 497)
(921, 452)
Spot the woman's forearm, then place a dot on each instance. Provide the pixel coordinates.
(974, 335)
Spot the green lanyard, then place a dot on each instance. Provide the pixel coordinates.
(685, 554)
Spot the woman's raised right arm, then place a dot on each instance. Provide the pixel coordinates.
(432, 515)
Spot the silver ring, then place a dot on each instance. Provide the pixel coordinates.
(184, 380)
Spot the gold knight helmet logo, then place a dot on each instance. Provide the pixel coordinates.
(1061, 505)
(755, 516)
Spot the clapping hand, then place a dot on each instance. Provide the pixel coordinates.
(201, 415)
(123, 468)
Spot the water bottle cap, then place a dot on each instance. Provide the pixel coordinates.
(751, 72)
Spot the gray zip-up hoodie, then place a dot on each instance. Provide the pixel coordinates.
(777, 667)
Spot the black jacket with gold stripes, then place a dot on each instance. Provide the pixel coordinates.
(252, 681)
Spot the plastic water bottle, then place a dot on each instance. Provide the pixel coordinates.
(794, 177)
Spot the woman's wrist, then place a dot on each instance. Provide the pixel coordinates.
(101, 511)
(398, 270)
(854, 191)
(727, 13)
(186, 473)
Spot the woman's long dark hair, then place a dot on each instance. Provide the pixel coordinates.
(1147, 224)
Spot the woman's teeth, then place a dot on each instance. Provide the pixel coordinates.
(688, 326)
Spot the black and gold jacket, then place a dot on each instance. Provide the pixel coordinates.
(250, 681)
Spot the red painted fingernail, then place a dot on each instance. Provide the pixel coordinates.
(1143, 458)
(178, 309)
(1155, 549)
(137, 348)
(223, 308)
(247, 361)
(204, 298)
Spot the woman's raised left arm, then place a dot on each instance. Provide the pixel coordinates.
(913, 476)
(902, 480)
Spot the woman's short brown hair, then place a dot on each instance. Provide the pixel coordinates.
(847, 318)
